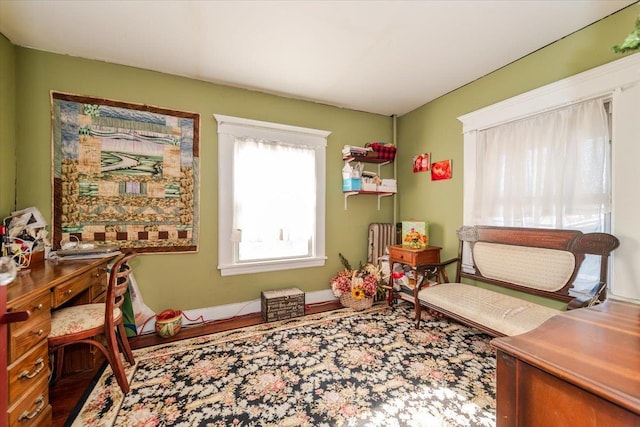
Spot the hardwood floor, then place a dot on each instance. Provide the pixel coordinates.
(66, 393)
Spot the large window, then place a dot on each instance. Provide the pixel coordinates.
(271, 196)
(551, 170)
(594, 190)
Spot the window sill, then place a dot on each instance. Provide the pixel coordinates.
(266, 266)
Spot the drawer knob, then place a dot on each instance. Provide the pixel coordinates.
(68, 292)
(39, 367)
(39, 332)
(38, 307)
(28, 416)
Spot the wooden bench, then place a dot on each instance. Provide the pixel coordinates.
(543, 262)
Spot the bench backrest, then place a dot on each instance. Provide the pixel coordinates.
(533, 260)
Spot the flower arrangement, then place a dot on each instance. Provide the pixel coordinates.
(414, 234)
(415, 239)
(357, 285)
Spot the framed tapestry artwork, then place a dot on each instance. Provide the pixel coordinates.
(124, 174)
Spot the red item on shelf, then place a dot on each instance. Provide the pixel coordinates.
(384, 151)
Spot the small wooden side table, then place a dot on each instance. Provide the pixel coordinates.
(415, 258)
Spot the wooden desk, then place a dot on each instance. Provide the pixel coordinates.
(414, 258)
(45, 287)
(580, 368)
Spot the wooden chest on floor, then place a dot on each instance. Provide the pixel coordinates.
(282, 304)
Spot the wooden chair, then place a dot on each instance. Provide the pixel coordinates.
(87, 322)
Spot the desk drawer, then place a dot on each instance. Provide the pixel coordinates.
(23, 335)
(44, 419)
(28, 334)
(36, 307)
(414, 257)
(99, 289)
(69, 289)
(31, 407)
(27, 371)
(99, 284)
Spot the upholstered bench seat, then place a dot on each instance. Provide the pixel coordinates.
(535, 261)
(503, 313)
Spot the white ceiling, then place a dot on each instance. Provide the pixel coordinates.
(386, 57)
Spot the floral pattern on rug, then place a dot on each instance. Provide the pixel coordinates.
(343, 368)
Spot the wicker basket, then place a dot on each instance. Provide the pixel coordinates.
(347, 300)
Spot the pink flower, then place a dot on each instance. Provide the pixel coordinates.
(369, 285)
(341, 284)
(349, 410)
(363, 282)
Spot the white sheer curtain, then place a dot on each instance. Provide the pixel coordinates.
(551, 170)
(275, 199)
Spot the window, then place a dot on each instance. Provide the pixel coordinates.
(551, 170)
(271, 193)
(617, 81)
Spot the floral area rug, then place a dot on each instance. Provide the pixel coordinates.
(341, 368)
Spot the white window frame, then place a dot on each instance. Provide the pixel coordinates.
(620, 80)
(228, 129)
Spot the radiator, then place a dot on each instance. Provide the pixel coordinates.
(381, 235)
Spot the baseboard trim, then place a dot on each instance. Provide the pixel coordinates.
(227, 311)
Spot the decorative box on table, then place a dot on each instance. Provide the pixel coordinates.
(415, 234)
(282, 304)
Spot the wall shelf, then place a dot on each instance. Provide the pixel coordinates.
(371, 160)
(355, 193)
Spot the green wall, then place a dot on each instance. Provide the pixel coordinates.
(435, 128)
(189, 281)
(7, 127)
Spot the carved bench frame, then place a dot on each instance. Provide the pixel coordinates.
(573, 241)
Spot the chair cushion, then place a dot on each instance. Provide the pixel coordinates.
(502, 313)
(78, 318)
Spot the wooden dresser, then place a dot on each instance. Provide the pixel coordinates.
(45, 287)
(580, 368)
